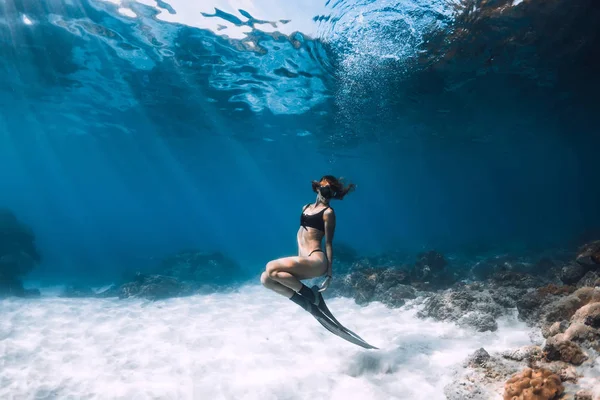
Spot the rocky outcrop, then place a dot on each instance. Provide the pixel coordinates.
(480, 377)
(390, 279)
(388, 285)
(469, 307)
(18, 255)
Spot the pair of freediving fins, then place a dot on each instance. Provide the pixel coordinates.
(325, 318)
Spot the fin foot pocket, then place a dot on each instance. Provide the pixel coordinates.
(326, 318)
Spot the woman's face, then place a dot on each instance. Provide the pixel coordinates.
(324, 190)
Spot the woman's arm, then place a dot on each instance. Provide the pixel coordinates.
(329, 218)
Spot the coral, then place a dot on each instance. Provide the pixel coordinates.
(533, 384)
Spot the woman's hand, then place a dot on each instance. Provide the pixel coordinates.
(325, 284)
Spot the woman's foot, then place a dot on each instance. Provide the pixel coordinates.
(304, 303)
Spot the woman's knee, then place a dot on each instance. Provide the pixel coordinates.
(264, 278)
(271, 269)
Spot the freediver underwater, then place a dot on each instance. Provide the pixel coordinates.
(284, 275)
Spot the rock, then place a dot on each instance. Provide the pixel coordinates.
(564, 350)
(478, 359)
(583, 395)
(478, 320)
(591, 279)
(154, 287)
(429, 271)
(360, 285)
(465, 390)
(563, 308)
(555, 329)
(468, 307)
(589, 255)
(588, 314)
(572, 273)
(394, 296)
(533, 384)
(568, 374)
(481, 376)
(582, 334)
(525, 353)
(387, 285)
(507, 296)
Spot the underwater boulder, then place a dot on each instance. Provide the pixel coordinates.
(480, 321)
(360, 285)
(591, 279)
(465, 306)
(589, 255)
(364, 285)
(572, 272)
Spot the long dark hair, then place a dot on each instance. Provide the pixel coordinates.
(339, 190)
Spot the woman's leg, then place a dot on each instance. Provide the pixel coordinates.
(283, 276)
(275, 286)
(289, 271)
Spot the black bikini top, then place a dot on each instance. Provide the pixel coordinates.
(314, 221)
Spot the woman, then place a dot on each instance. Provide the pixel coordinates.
(317, 220)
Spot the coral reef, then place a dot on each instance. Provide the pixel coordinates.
(555, 295)
(533, 384)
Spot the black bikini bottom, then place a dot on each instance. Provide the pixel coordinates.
(317, 251)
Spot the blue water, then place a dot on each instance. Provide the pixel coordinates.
(131, 131)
